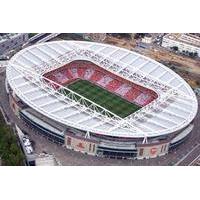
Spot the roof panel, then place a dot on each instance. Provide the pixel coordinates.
(41, 54)
(95, 47)
(91, 122)
(25, 61)
(58, 47)
(170, 116)
(175, 82)
(148, 67)
(178, 111)
(35, 94)
(184, 89)
(107, 50)
(77, 117)
(65, 112)
(158, 71)
(27, 87)
(54, 106)
(165, 77)
(49, 50)
(129, 58)
(43, 100)
(105, 126)
(118, 54)
(138, 62)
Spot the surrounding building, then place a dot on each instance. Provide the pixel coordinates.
(97, 37)
(3, 63)
(184, 42)
(12, 41)
(147, 39)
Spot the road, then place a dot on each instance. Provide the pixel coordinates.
(184, 152)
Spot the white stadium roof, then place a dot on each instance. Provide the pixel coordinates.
(175, 107)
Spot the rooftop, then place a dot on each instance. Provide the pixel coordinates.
(6, 36)
(187, 38)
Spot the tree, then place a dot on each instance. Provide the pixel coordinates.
(197, 82)
(10, 152)
(139, 35)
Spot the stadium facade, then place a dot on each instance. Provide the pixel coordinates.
(43, 82)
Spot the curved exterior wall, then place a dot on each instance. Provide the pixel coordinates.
(102, 147)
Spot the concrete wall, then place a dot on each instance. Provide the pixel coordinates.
(81, 145)
(152, 151)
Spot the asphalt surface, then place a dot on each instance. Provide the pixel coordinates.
(190, 156)
(182, 155)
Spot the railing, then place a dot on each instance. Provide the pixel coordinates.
(49, 37)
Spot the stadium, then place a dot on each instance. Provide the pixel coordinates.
(100, 100)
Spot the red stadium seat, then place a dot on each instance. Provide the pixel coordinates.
(91, 72)
(113, 85)
(81, 71)
(132, 94)
(97, 75)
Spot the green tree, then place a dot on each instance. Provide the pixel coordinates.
(10, 152)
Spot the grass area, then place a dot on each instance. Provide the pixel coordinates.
(10, 152)
(104, 98)
(31, 34)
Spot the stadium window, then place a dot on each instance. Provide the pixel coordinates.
(165, 147)
(162, 149)
(69, 141)
(90, 147)
(93, 147)
(141, 152)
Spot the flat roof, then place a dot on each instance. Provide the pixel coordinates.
(7, 36)
(187, 38)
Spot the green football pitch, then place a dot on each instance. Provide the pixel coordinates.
(104, 98)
